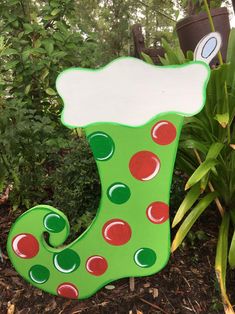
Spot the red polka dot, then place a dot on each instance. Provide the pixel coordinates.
(67, 290)
(96, 265)
(144, 165)
(163, 132)
(25, 245)
(116, 232)
(158, 212)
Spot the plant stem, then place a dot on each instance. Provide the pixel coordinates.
(221, 63)
(212, 27)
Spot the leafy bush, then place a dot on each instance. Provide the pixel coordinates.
(38, 155)
(76, 185)
(206, 154)
(28, 136)
(35, 46)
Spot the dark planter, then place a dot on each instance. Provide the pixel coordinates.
(191, 29)
(233, 2)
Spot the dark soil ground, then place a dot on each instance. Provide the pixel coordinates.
(187, 285)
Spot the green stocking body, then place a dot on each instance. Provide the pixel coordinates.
(130, 235)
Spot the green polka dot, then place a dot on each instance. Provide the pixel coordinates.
(54, 222)
(66, 261)
(119, 193)
(39, 274)
(102, 145)
(145, 257)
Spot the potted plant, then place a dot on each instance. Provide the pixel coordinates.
(196, 24)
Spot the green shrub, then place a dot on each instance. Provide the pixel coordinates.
(29, 145)
(76, 185)
(37, 42)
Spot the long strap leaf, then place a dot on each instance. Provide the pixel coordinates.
(199, 173)
(187, 203)
(231, 256)
(221, 261)
(191, 218)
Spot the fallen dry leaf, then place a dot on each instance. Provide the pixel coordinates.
(110, 287)
(10, 308)
(147, 285)
(155, 293)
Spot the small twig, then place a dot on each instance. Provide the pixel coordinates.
(1, 256)
(158, 11)
(5, 195)
(132, 284)
(187, 308)
(168, 300)
(88, 307)
(187, 282)
(153, 305)
(193, 308)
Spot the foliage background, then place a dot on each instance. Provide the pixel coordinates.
(43, 161)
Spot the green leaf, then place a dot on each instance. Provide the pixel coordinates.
(25, 54)
(15, 207)
(11, 65)
(37, 43)
(230, 58)
(200, 172)
(44, 74)
(50, 91)
(147, 58)
(55, 12)
(214, 150)
(171, 55)
(58, 36)
(183, 163)
(9, 52)
(191, 218)
(189, 200)
(190, 55)
(28, 28)
(36, 51)
(223, 119)
(221, 260)
(164, 61)
(193, 144)
(231, 46)
(59, 54)
(49, 46)
(231, 257)
(213, 153)
(204, 182)
(27, 89)
(222, 247)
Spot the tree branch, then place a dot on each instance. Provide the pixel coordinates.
(159, 12)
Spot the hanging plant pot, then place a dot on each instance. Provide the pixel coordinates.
(191, 29)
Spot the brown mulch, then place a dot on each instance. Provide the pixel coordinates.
(187, 285)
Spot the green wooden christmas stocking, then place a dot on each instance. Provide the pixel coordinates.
(132, 113)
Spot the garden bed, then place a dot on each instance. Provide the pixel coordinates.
(187, 285)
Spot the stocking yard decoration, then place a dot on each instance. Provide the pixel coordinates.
(132, 114)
